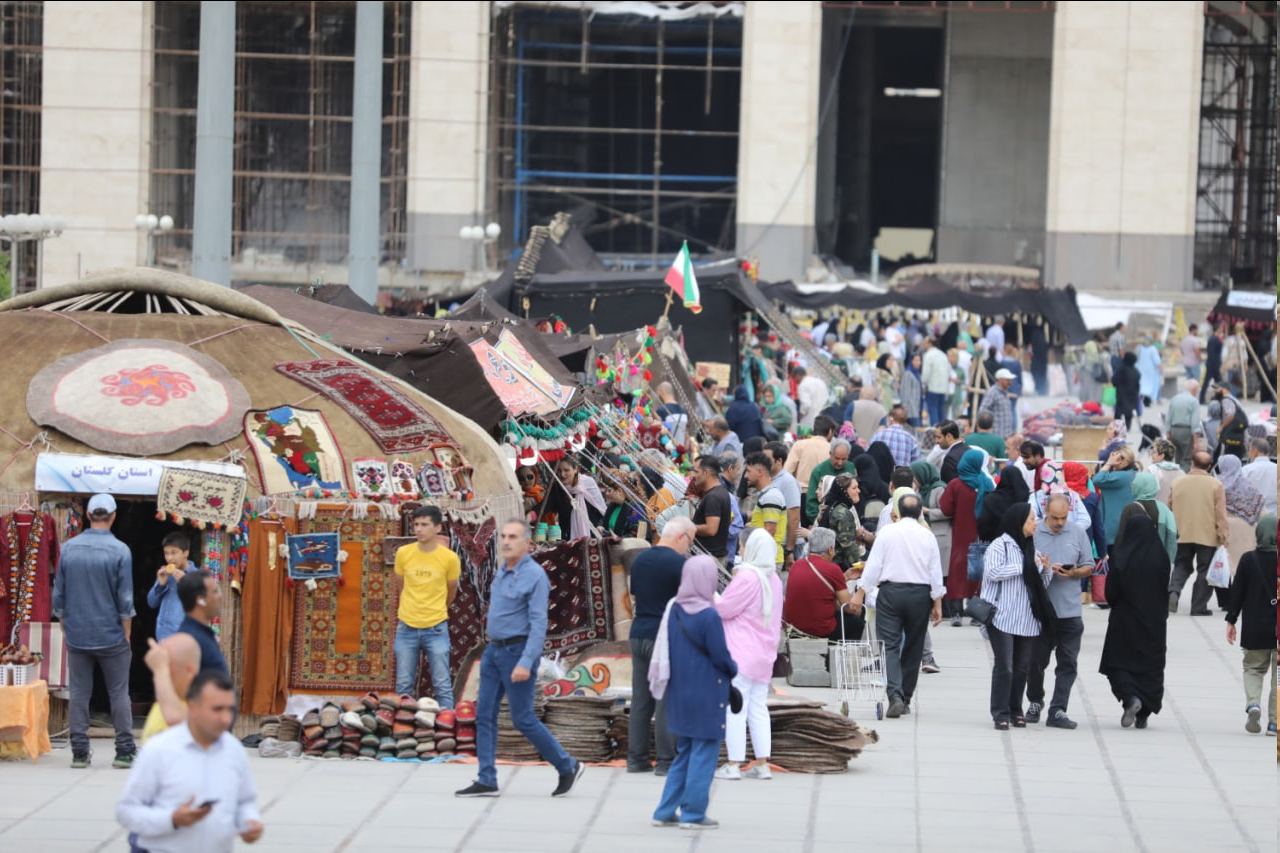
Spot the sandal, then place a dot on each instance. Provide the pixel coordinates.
(1002, 725)
(1019, 722)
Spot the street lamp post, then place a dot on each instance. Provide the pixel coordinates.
(150, 223)
(16, 228)
(480, 235)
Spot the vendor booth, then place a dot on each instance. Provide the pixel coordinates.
(202, 410)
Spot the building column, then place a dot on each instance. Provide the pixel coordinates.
(94, 131)
(1123, 145)
(777, 174)
(448, 122)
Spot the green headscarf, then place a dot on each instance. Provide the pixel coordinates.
(927, 476)
(1144, 487)
(1266, 532)
(779, 413)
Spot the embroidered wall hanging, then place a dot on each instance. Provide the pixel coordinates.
(295, 450)
(313, 556)
(372, 477)
(404, 481)
(397, 423)
(578, 609)
(139, 396)
(201, 496)
(455, 470)
(432, 482)
(343, 639)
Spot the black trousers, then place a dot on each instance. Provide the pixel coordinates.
(902, 608)
(1008, 672)
(854, 624)
(1202, 555)
(1066, 642)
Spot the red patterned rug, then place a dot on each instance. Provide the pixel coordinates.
(396, 422)
(344, 635)
(580, 605)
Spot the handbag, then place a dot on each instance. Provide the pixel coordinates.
(1098, 581)
(977, 551)
(735, 695)
(982, 611)
(1099, 372)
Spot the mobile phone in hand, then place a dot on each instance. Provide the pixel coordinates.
(207, 804)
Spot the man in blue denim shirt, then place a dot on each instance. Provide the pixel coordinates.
(93, 597)
(517, 629)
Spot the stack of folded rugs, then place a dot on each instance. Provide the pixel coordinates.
(807, 738)
(513, 746)
(583, 725)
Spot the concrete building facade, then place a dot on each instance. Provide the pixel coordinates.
(1071, 136)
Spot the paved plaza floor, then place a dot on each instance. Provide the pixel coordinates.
(941, 778)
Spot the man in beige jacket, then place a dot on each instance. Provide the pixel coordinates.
(1200, 509)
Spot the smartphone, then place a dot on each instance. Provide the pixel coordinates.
(207, 804)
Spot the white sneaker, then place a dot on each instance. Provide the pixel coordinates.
(757, 771)
(729, 771)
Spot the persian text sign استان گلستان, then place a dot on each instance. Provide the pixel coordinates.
(90, 474)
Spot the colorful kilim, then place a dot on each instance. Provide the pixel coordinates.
(344, 635)
(396, 422)
(579, 608)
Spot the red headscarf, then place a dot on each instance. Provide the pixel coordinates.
(1077, 477)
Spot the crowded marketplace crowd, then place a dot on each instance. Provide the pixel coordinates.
(918, 490)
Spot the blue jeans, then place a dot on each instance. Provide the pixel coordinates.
(688, 785)
(1193, 372)
(410, 642)
(936, 405)
(495, 681)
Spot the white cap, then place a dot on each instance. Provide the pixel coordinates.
(1004, 374)
(99, 503)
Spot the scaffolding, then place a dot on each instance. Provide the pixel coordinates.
(1236, 184)
(21, 79)
(629, 121)
(293, 104)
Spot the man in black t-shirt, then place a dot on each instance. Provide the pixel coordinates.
(714, 511)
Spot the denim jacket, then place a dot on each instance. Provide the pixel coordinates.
(93, 590)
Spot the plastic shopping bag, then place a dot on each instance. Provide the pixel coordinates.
(1220, 569)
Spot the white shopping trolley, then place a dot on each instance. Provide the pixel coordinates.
(858, 669)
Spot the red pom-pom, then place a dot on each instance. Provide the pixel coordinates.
(289, 583)
(648, 376)
(342, 581)
(160, 515)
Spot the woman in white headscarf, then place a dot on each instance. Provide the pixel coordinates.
(751, 608)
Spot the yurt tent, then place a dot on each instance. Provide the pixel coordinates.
(205, 412)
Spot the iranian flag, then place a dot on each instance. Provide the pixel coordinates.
(683, 281)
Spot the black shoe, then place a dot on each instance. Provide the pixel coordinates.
(662, 770)
(1141, 722)
(79, 760)
(124, 761)
(1060, 720)
(1173, 602)
(1131, 709)
(639, 768)
(475, 789)
(896, 709)
(567, 780)
(1205, 612)
(1033, 712)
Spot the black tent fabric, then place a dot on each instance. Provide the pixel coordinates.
(1242, 311)
(432, 355)
(1056, 306)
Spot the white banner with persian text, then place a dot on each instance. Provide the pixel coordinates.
(84, 474)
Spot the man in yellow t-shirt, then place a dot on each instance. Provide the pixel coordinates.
(430, 572)
(174, 662)
(770, 512)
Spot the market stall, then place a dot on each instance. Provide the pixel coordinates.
(203, 410)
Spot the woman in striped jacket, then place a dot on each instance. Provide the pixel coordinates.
(1014, 579)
